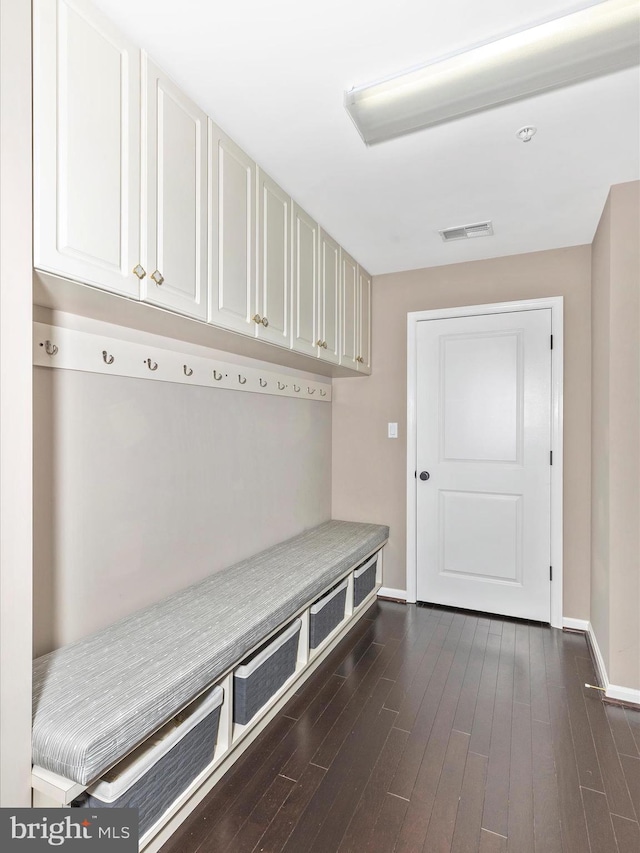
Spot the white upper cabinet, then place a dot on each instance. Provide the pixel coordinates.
(232, 233)
(304, 276)
(350, 331)
(364, 321)
(272, 303)
(86, 147)
(174, 196)
(329, 300)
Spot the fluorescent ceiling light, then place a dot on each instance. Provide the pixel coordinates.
(594, 41)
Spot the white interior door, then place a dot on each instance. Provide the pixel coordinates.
(483, 414)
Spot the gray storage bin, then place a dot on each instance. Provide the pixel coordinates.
(264, 672)
(154, 775)
(326, 613)
(364, 580)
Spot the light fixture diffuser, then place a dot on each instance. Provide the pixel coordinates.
(585, 44)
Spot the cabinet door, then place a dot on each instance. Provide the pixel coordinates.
(273, 290)
(329, 299)
(232, 233)
(305, 282)
(174, 196)
(364, 321)
(350, 332)
(86, 147)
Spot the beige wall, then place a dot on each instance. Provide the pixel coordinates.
(142, 488)
(369, 479)
(615, 594)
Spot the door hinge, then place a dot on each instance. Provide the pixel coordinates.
(551, 336)
(550, 573)
(551, 457)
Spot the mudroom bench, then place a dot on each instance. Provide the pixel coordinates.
(152, 711)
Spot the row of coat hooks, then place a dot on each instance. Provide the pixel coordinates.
(109, 359)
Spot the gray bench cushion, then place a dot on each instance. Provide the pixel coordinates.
(95, 699)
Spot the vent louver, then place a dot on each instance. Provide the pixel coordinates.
(465, 232)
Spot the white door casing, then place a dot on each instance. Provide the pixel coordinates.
(174, 196)
(486, 526)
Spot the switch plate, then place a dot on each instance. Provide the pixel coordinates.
(392, 430)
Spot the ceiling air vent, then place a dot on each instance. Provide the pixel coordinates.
(465, 232)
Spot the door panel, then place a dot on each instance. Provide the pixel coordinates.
(329, 299)
(232, 233)
(364, 321)
(484, 431)
(86, 147)
(274, 261)
(174, 191)
(350, 334)
(305, 282)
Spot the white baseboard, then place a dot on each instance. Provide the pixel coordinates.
(612, 691)
(576, 624)
(389, 592)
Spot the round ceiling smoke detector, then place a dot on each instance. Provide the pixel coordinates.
(526, 134)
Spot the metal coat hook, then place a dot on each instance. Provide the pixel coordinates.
(296, 388)
(241, 379)
(281, 386)
(188, 371)
(152, 365)
(108, 359)
(311, 390)
(217, 376)
(49, 348)
(263, 384)
(323, 393)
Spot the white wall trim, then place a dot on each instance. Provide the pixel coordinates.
(389, 592)
(612, 691)
(576, 624)
(555, 303)
(70, 349)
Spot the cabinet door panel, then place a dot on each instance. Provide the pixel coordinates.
(305, 282)
(364, 320)
(232, 233)
(174, 191)
(274, 261)
(329, 299)
(86, 147)
(350, 348)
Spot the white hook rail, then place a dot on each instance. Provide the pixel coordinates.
(69, 349)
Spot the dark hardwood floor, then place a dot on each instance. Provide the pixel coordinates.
(436, 730)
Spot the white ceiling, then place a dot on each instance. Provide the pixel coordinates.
(272, 74)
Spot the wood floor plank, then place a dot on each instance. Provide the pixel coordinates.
(387, 826)
(538, 674)
(631, 768)
(627, 834)
(403, 671)
(496, 801)
(615, 786)
(443, 815)
(621, 730)
(465, 711)
(521, 666)
(287, 817)
(360, 826)
(599, 826)
(520, 808)
(466, 836)
(546, 813)
(573, 826)
(492, 843)
(633, 718)
(414, 694)
(258, 820)
(483, 714)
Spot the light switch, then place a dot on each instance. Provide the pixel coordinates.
(392, 430)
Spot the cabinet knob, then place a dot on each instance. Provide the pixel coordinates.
(157, 277)
(139, 271)
(257, 318)
(318, 343)
(265, 322)
(324, 344)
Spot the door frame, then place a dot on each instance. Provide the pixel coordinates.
(556, 304)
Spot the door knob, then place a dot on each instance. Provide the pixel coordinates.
(424, 475)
